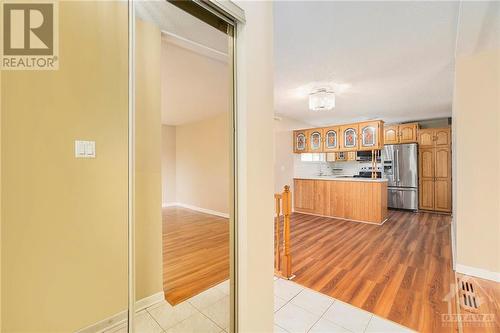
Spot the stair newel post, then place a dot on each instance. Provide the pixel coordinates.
(287, 207)
(277, 251)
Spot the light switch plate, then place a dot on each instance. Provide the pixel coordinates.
(84, 149)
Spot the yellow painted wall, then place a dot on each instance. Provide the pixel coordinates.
(476, 121)
(202, 163)
(148, 248)
(64, 220)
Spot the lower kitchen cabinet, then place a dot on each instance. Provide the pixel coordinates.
(304, 194)
(364, 201)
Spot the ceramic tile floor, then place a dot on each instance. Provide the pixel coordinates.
(207, 312)
(296, 309)
(299, 309)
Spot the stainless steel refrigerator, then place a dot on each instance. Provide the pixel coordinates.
(401, 171)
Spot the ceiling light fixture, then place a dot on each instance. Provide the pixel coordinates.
(322, 99)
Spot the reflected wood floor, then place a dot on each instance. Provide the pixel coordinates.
(401, 270)
(195, 252)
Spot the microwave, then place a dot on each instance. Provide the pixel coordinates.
(365, 156)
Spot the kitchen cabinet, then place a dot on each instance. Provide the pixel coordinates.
(391, 134)
(299, 142)
(349, 140)
(434, 137)
(370, 135)
(402, 133)
(435, 180)
(304, 195)
(408, 133)
(314, 140)
(331, 139)
(364, 201)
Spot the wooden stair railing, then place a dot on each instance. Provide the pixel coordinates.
(283, 207)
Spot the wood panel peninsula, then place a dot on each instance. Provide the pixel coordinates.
(356, 199)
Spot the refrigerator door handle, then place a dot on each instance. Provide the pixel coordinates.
(396, 165)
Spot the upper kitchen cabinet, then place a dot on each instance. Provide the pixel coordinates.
(314, 138)
(443, 137)
(349, 137)
(391, 134)
(331, 139)
(370, 135)
(299, 142)
(408, 133)
(434, 137)
(403, 133)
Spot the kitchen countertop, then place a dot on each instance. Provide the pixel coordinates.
(345, 179)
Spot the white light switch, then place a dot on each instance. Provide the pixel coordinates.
(84, 149)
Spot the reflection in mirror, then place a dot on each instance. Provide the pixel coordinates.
(182, 174)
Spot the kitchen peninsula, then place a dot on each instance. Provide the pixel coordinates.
(356, 199)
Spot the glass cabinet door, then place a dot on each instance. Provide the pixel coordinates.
(368, 136)
(299, 142)
(350, 137)
(315, 141)
(331, 140)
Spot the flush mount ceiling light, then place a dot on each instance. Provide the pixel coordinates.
(322, 99)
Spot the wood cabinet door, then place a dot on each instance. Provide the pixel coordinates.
(426, 138)
(321, 197)
(315, 140)
(442, 166)
(408, 133)
(442, 137)
(426, 163)
(303, 195)
(391, 134)
(351, 156)
(331, 139)
(426, 193)
(299, 142)
(442, 195)
(369, 135)
(349, 137)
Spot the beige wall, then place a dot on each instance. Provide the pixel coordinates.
(476, 121)
(283, 151)
(202, 163)
(148, 196)
(64, 239)
(187, 73)
(64, 220)
(168, 164)
(255, 168)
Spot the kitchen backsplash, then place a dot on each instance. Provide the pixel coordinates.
(311, 169)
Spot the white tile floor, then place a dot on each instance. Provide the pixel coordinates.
(296, 309)
(207, 312)
(299, 309)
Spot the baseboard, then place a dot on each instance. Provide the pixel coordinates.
(121, 317)
(478, 272)
(198, 209)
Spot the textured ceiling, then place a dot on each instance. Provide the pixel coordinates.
(388, 60)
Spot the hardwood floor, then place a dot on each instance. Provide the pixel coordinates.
(401, 270)
(195, 252)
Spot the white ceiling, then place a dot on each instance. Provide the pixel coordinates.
(175, 21)
(388, 60)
